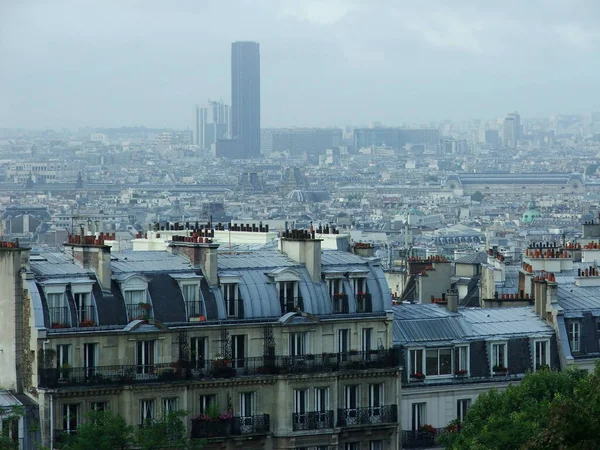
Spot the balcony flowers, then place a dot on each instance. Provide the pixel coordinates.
(460, 373)
(227, 415)
(59, 325)
(338, 296)
(419, 376)
(145, 306)
(426, 428)
(87, 323)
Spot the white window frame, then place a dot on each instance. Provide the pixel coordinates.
(199, 352)
(541, 353)
(147, 410)
(376, 398)
(415, 359)
(418, 415)
(149, 356)
(170, 405)
(245, 411)
(90, 362)
(495, 355)
(70, 409)
(366, 340)
(101, 405)
(376, 445)
(286, 300)
(344, 340)
(207, 401)
(574, 334)
(463, 357)
(321, 400)
(462, 407)
(239, 353)
(438, 351)
(231, 303)
(301, 401)
(298, 343)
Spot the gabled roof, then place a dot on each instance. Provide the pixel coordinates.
(475, 258)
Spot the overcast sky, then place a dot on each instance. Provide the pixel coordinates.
(71, 63)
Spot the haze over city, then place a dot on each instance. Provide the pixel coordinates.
(68, 63)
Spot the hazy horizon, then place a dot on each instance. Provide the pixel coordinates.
(323, 63)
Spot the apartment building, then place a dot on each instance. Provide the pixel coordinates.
(272, 349)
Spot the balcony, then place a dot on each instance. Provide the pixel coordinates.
(421, 439)
(312, 420)
(86, 316)
(340, 303)
(59, 316)
(236, 426)
(376, 415)
(364, 303)
(291, 304)
(139, 311)
(195, 311)
(218, 368)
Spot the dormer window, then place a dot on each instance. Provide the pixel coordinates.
(191, 297)
(575, 336)
(541, 354)
(58, 310)
(233, 302)
(84, 309)
(363, 298)
(339, 299)
(289, 297)
(137, 305)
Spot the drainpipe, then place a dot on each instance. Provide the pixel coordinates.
(46, 342)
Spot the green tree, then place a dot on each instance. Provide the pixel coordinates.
(9, 416)
(477, 196)
(521, 416)
(167, 432)
(102, 430)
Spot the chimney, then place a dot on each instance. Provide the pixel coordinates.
(202, 255)
(302, 247)
(452, 300)
(92, 254)
(540, 296)
(363, 249)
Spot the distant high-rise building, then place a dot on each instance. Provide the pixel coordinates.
(511, 130)
(245, 96)
(298, 141)
(395, 138)
(212, 123)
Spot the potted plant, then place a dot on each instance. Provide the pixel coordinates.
(145, 306)
(417, 376)
(461, 373)
(427, 429)
(87, 323)
(59, 325)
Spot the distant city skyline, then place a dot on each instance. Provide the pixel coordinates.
(324, 63)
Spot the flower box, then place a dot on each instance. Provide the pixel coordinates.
(500, 370)
(418, 376)
(460, 373)
(87, 323)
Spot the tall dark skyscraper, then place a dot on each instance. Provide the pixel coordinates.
(245, 97)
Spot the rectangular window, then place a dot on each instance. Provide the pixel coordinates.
(376, 445)
(238, 351)
(136, 304)
(351, 397)
(199, 352)
(169, 405)
(366, 339)
(231, 295)
(419, 415)
(58, 310)
(300, 408)
(90, 358)
(438, 361)
(83, 308)
(575, 336)
(207, 402)
(541, 354)
(415, 361)
(99, 406)
(338, 298)
(189, 292)
(462, 406)
(247, 404)
(298, 343)
(344, 340)
(499, 357)
(462, 359)
(376, 398)
(352, 446)
(64, 360)
(288, 297)
(145, 357)
(147, 411)
(70, 417)
(321, 399)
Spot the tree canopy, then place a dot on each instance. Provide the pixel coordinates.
(105, 430)
(477, 196)
(547, 410)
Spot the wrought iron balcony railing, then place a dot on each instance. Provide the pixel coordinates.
(374, 415)
(291, 304)
(139, 311)
(420, 438)
(195, 309)
(235, 426)
(218, 368)
(312, 420)
(59, 316)
(340, 303)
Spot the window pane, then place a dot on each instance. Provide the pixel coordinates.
(445, 361)
(431, 362)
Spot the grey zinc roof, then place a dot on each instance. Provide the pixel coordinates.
(572, 297)
(56, 264)
(431, 324)
(495, 322)
(475, 258)
(145, 262)
(255, 260)
(340, 258)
